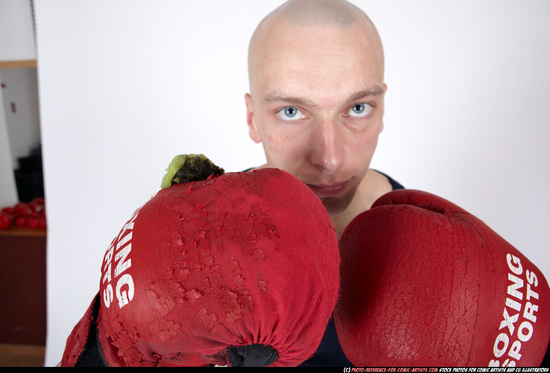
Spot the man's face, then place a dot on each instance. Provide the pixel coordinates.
(316, 104)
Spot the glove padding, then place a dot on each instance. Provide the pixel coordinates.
(425, 283)
(240, 269)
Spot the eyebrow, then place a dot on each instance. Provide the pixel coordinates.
(280, 97)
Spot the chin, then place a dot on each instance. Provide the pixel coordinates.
(338, 204)
(335, 206)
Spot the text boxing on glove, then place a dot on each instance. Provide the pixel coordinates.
(425, 283)
(241, 269)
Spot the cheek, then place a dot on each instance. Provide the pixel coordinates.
(370, 137)
(274, 136)
(283, 150)
(361, 147)
(370, 140)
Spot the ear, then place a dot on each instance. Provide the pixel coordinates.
(251, 121)
(382, 124)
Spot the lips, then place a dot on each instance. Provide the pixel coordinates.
(329, 190)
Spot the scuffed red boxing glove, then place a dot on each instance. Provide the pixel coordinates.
(240, 269)
(425, 283)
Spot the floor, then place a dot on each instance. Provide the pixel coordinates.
(21, 356)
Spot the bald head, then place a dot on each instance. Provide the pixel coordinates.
(302, 14)
(318, 12)
(316, 101)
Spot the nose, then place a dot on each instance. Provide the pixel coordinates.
(326, 144)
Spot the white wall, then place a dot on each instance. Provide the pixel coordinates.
(16, 31)
(21, 91)
(8, 189)
(16, 43)
(125, 85)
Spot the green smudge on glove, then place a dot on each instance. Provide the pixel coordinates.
(185, 168)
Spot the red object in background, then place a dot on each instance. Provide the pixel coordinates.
(31, 214)
(5, 220)
(20, 221)
(8, 210)
(22, 209)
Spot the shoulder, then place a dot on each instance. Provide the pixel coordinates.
(375, 184)
(378, 183)
(393, 183)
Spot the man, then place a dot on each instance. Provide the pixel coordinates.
(316, 103)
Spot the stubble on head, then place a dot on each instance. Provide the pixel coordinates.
(307, 13)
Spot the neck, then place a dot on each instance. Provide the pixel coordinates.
(373, 186)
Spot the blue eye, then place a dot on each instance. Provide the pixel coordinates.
(359, 110)
(290, 113)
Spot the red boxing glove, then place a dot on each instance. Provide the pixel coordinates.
(425, 283)
(240, 269)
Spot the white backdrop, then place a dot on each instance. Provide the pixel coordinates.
(125, 85)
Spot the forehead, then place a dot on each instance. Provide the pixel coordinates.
(320, 60)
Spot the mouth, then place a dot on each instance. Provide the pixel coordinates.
(332, 190)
